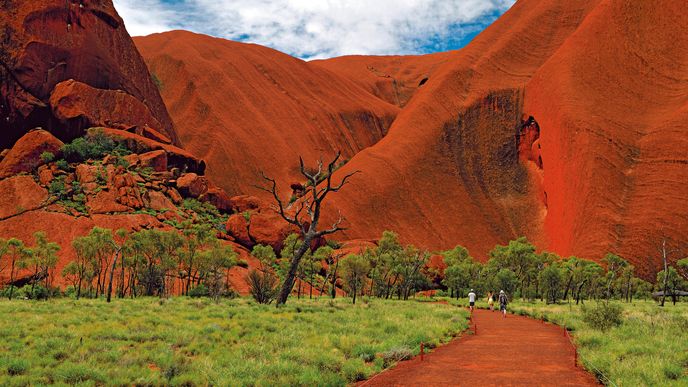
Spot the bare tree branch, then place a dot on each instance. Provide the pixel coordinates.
(273, 190)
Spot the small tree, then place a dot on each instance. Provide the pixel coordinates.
(262, 286)
(354, 269)
(43, 259)
(214, 262)
(550, 278)
(19, 255)
(307, 222)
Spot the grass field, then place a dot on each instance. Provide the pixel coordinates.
(650, 348)
(183, 341)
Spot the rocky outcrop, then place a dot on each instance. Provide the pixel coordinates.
(78, 106)
(46, 42)
(262, 115)
(176, 157)
(25, 155)
(19, 194)
(258, 223)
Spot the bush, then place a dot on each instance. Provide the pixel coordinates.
(58, 188)
(39, 292)
(94, 145)
(47, 157)
(17, 366)
(603, 316)
(199, 291)
(62, 164)
(263, 286)
(395, 355)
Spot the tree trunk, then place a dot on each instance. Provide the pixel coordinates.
(12, 278)
(666, 272)
(288, 284)
(112, 276)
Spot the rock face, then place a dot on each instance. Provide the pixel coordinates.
(245, 108)
(255, 222)
(46, 42)
(78, 106)
(25, 155)
(597, 169)
(392, 78)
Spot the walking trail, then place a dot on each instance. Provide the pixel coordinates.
(511, 351)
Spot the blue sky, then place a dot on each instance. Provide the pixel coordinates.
(311, 29)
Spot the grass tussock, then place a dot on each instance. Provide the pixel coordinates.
(185, 341)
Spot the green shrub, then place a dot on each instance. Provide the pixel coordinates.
(39, 292)
(199, 291)
(94, 145)
(17, 366)
(62, 164)
(262, 286)
(47, 157)
(395, 355)
(364, 352)
(71, 373)
(58, 188)
(242, 263)
(603, 316)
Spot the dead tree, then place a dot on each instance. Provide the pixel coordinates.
(306, 217)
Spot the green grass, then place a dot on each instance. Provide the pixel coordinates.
(650, 348)
(183, 341)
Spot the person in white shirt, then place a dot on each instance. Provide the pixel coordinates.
(471, 299)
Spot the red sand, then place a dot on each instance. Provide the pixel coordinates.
(512, 351)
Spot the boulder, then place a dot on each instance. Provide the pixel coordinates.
(157, 160)
(176, 157)
(217, 197)
(243, 203)
(192, 185)
(78, 106)
(262, 226)
(45, 175)
(47, 42)
(19, 194)
(104, 202)
(158, 201)
(174, 195)
(25, 155)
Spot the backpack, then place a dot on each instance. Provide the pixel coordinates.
(502, 299)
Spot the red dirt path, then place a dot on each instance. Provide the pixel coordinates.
(505, 351)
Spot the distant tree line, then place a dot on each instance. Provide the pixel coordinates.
(188, 261)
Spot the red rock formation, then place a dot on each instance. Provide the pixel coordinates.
(45, 42)
(448, 171)
(256, 222)
(393, 78)
(612, 105)
(245, 108)
(25, 155)
(78, 106)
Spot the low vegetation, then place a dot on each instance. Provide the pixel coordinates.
(645, 346)
(184, 341)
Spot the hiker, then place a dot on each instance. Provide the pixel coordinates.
(503, 301)
(471, 299)
(490, 300)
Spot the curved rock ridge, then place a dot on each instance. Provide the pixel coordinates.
(449, 171)
(602, 142)
(393, 78)
(245, 108)
(45, 42)
(612, 105)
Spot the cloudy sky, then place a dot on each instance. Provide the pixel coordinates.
(312, 29)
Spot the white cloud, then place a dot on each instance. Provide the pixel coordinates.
(320, 28)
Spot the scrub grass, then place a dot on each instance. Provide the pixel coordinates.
(183, 341)
(649, 348)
